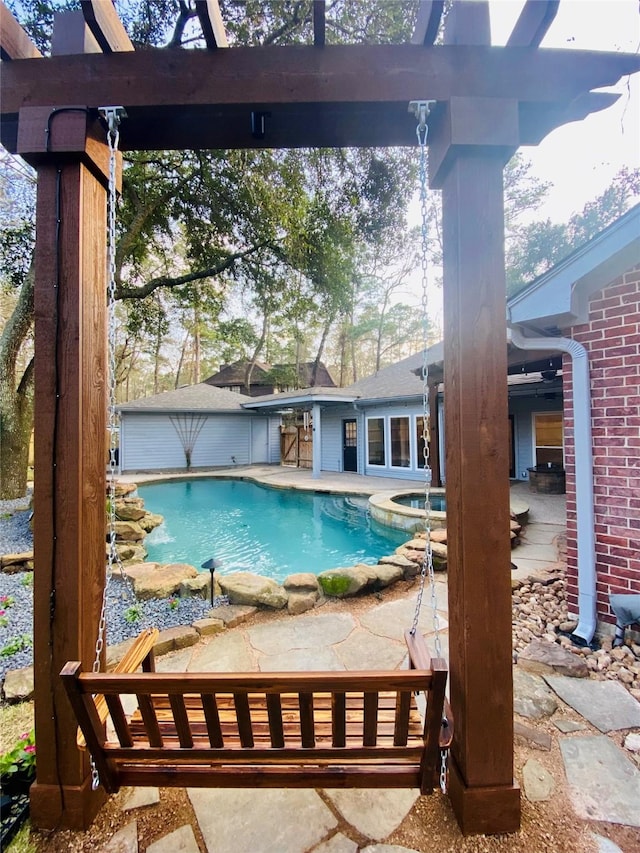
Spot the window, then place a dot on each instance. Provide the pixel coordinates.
(400, 444)
(375, 441)
(548, 439)
(237, 388)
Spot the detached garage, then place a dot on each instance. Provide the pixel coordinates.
(198, 426)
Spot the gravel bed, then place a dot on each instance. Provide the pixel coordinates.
(125, 616)
(15, 533)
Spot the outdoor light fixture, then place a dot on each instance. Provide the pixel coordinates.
(212, 564)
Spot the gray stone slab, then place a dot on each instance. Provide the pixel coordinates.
(301, 660)
(374, 813)
(538, 782)
(124, 841)
(175, 661)
(301, 632)
(265, 820)
(395, 617)
(536, 551)
(140, 797)
(603, 784)
(228, 652)
(531, 696)
(605, 845)
(605, 704)
(363, 650)
(338, 844)
(568, 726)
(541, 534)
(180, 841)
(388, 848)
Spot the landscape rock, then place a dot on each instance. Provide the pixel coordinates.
(11, 563)
(130, 552)
(408, 567)
(300, 602)
(129, 510)
(18, 685)
(247, 588)
(150, 521)
(128, 531)
(343, 582)
(154, 580)
(173, 639)
(301, 582)
(387, 574)
(198, 587)
(232, 614)
(544, 658)
(208, 627)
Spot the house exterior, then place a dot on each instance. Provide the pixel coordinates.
(157, 431)
(269, 378)
(590, 304)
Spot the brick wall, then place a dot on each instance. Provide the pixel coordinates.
(612, 339)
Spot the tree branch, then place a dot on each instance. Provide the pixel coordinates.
(176, 281)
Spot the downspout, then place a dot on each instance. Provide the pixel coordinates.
(587, 609)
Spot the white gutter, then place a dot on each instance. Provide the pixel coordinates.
(587, 610)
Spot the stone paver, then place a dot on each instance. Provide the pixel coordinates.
(175, 661)
(544, 658)
(605, 845)
(362, 650)
(569, 726)
(535, 551)
(338, 844)
(603, 783)
(374, 813)
(140, 797)
(301, 632)
(301, 660)
(538, 782)
(531, 697)
(540, 534)
(235, 820)
(223, 653)
(124, 841)
(181, 840)
(605, 704)
(393, 618)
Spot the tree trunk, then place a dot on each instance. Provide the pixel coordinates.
(16, 421)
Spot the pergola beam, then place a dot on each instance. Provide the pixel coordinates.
(427, 22)
(210, 17)
(106, 27)
(533, 23)
(14, 42)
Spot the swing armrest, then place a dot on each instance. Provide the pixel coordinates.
(139, 653)
(419, 658)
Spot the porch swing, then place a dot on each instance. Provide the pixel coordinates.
(378, 729)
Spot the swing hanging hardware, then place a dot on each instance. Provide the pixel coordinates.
(112, 116)
(421, 110)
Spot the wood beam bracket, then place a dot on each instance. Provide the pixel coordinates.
(471, 125)
(64, 133)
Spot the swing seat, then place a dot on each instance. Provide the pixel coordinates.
(268, 730)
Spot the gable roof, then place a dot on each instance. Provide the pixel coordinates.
(191, 398)
(234, 374)
(560, 297)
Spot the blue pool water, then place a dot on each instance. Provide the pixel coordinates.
(416, 501)
(266, 531)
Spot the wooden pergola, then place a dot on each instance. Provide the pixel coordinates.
(489, 101)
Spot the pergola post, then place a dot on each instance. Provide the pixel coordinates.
(70, 444)
(483, 794)
(316, 450)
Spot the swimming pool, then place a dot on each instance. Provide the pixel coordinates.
(254, 528)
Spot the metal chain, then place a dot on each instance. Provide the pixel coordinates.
(426, 569)
(112, 116)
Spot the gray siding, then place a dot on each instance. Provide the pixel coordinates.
(274, 440)
(387, 411)
(331, 459)
(150, 442)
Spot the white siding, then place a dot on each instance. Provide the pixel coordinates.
(149, 442)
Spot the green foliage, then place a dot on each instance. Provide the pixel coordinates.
(133, 614)
(21, 758)
(27, 579)
(15, 645)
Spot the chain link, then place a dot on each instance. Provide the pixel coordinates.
(426, 569)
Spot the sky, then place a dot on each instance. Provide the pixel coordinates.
(581, 158)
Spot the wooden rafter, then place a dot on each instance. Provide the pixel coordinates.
(14, 42)
(319, 23)
(427, 21)
(106, 27)
(533, 23)
(210, 17)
